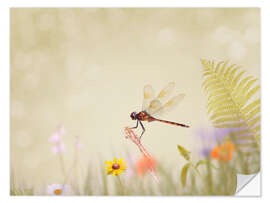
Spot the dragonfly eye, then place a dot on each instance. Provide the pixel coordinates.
(133, 115)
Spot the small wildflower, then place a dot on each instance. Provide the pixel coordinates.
(58, 189)
(223, 152)
(57, 135)
(59, 148)
(144, 165)
(56, 140)
(210, 138)
(115, 167)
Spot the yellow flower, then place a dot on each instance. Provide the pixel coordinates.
(115, 167)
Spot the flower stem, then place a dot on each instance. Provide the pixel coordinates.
(62, 164)
(73, 166)
(198, 172)
(120, 185)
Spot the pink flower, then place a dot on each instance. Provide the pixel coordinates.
(59, 148)
(56, 140)
(57, 135)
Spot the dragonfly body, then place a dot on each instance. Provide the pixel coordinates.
(153, 106)
(142, 116)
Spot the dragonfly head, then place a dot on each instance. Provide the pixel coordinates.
(133, 115)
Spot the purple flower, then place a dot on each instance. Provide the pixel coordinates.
(205, 152)
(209, 138)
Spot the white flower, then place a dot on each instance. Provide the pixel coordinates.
(58, 189)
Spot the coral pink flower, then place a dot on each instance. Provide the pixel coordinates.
(145, 165)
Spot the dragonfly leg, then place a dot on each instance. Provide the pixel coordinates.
(136, 125)
(142, 129)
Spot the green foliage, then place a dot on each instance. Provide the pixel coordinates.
(205, 162)
(204, 178)
(232, 103)
(185, 153)
(184, 172)
(21, 192)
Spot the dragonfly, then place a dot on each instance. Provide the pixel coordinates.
(155, 105)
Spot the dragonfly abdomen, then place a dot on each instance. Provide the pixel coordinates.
(172, 123)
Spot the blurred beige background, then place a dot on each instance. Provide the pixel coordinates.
(86, 68)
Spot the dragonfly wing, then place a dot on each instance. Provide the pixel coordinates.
(166, 91)
(154, 106)
(148, 95)
(170, 105)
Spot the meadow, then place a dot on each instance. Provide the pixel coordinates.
(231, 147)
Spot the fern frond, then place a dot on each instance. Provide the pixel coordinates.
(221, 72)
(252, 92)
(211, 106)
(240, 132)
(218, 99)
(223, 113)
(214, 93)
(257, 128)
(223, 107)
(254, 112)
(232, 74)
(231, 125)
(251, 106)
(226, 119)
(249, 84)
(248, 145)
(244, 137)
(213, 87)
(209, 81)
(230, 101)
(254, 121)
(228, 70)
(237, 78)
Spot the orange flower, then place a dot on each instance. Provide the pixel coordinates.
(144, 165)
(223, 152)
